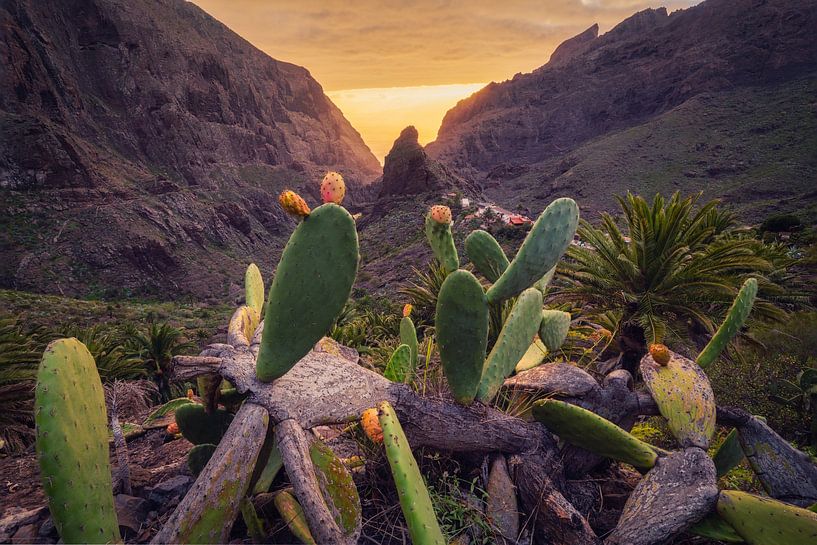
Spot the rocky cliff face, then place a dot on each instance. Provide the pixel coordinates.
(408, 170)
(647, 65)
(144, 143)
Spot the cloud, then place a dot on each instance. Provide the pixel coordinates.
(372, 44)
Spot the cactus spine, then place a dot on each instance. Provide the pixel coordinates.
(735, 318)
(590, 431)
(764, 521)
(462, 333)
(546, 242)
(512, 343)
(553, 328)
(72, 444)
(438, 233)
(311, 285)
(254, 289)
(414, 498)
(486, 254)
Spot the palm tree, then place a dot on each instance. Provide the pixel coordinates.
(107, 346)
(670, 269)
(157, 348)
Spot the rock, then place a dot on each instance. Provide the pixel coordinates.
(25, 534)
(175, 487)
(407, 169)
(16, 517)
(570, 47)
(131, 512)
(48, 529)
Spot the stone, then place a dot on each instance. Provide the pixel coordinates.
(131, 512)
(175, 487)
(25, 534)
(16, 517)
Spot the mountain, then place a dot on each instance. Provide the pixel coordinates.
(718, 97)
(144, 145)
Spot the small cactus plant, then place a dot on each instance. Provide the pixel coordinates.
(735, 318)
(440, 238)
(333, 188)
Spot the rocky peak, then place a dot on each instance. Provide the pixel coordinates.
(641, 21)
(408, 169)
(570, 47)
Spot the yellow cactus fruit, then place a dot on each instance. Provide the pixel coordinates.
(660, 353)
(441, 214)
(190, 393)
(172, 428)
(333, 189)
(371, 425)
(293, 204)
(407, 310)
(601, 334)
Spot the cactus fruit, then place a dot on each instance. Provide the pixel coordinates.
(462, 333)
(408, 336)
(764, 521)
(486, 254)
(293, 204)
(172, 428)
(371, 425)
(728, 455)
(399, 368)
(438, 233)
(590, 431)
(553, 328)
(254, 289)
(735, 318)
(512, 343)
(72, 444)
(660, 353)
(311, 286)
(546, 242)
(407, 308)
(333, 189)
(414, 498)
(440, 214)
(200, 427)
(684, 396)
(292, 513)
(533, 357)
(198, 456)
(337, 487)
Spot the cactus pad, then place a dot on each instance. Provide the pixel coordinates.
(414, 498)
(589, 431)
(512, 343)
(72, 444)
(441, 241)
(198, 456)
(735, 318)
(553, 328)
(200, 427)
(684, 396)
(408, 336)
(486, 254)
(764, 521)
(543, 247)
(534, 356)
(462, 333)
(292, 513)
(399, 368)
(311, 286)
(714, 527)
(338, 488)
(254, 289)
(728, 455)
(242, 326)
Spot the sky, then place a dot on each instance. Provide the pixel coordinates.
(389, 64)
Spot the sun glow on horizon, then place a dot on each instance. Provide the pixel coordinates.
(379, 114)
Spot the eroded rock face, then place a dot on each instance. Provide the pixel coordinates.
(647, 65)
(144, 137)
(407, 169)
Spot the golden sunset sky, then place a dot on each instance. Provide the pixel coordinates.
(391, 64)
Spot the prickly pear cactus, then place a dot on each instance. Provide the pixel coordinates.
(311, 285)
(735, 318)
(714, 527)
(486, 254)
(553, 328)
(462, 333)
(244, 320)
(72, 444)
(543, 247)
(533, 357)
(512, 343)
(438, 233)
(333, 188)
(338, 488)
(589, 431)
(729, 454)
(292, 513)
(200, 427)
(684, 396)
(764, 521)
(254, 289)
(408, 336)
(293, 204)
(399, 368)
(414, 498)
(198, 456)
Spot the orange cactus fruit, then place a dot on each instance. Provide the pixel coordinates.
(293, 204)
(371, 425)
(441, 214)
(407, 310)
(172, 428)
(660, 353)
(333, 189)
(190, 393)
